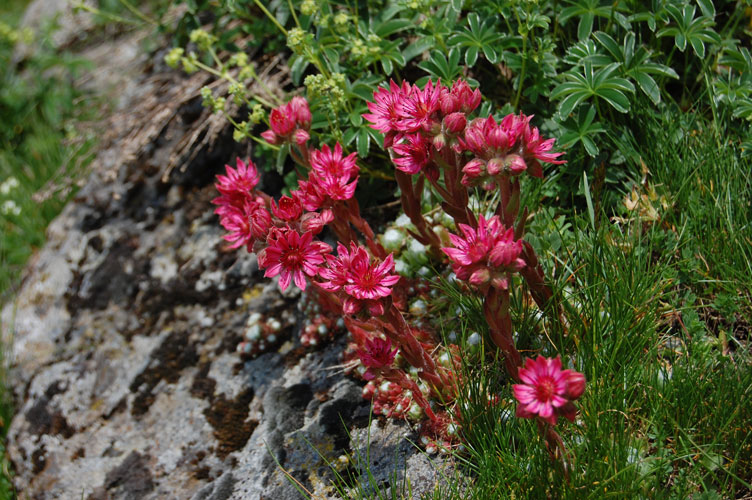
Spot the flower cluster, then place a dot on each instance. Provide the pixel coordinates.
(430, 136)
(547, 391)
(290, 122)
(507, 148)
(486, 255)
(366, 283)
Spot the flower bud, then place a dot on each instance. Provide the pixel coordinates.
(480, 277)
(515, 164)
(495, 166)
(575, 384)
(270, 137)
(449, 103)
(474, 168)
(301, 112)
(455, 123)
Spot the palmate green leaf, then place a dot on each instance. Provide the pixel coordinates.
(439, 66)
(586, 11)
(737, 57)
(635, 63)
(689, 29)
(477, 37)
(600, 84)
(583, 130)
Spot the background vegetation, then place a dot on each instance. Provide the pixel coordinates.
(646, 230)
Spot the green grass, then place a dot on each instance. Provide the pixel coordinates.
(41, 151)
(658, 313)
(658, 306)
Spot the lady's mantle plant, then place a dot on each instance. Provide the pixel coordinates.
(431, 137)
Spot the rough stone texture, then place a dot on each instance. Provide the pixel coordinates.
(123, 365)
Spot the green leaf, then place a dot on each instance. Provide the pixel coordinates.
(590, 146)
(490, 54)
(418, 47)
(615, 98)
(681, 42)
(570, 102)
(363, 142)
(297, 68)
(698, 46)
(387, 65)
(707, 8)
(648, 85)
(471, 55)
(585, 27)
(392, 26)
(356, 117)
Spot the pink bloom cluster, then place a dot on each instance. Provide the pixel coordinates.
(486, 254)
(366, 283)
(417, 123)
(290, 122)
(547, 391)
(377, 353)
(506, 148)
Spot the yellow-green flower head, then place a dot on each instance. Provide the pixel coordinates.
(189, 63)
(296, 40)
(172, 59)
(257, 115)
(207, 97)
(202, 39)
(239, 59)
(219, 104)
(309, 7)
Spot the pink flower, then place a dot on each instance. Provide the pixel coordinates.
(383, 115)
(315, 221)
(370, 280)
(337, 268)
(535, 149)
(246, 224)
(366, 283)
(282, 121)
(416, 110)
(292, 257)
(289, 208)
(237, 185)
(377, 353)
(485, 255)
(288, 122)
(298, 108)
(547, 391)
(460, 98)
(332, 187)
(506, 148)
(311, 195)
(413, 153)
(328, 162)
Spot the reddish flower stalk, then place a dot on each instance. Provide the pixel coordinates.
(410, 196)
(496, 312)
(375, 353)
